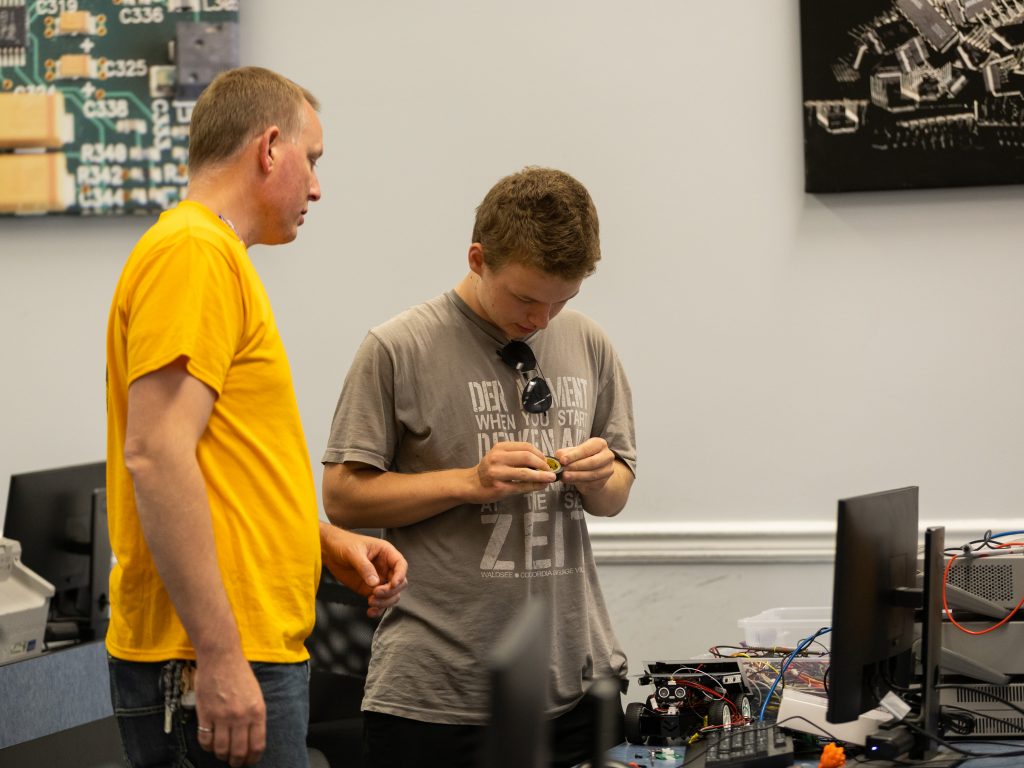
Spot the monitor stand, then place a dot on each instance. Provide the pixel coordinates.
(911, 738)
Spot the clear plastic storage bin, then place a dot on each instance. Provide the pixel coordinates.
(786, 627)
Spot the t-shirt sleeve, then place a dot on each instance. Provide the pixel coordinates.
(187, 303)
(365, 428)
(613, 415)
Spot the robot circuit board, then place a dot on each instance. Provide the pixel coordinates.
(96, 97)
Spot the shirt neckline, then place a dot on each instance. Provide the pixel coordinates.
(492, 331)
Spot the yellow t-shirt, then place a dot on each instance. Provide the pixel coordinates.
(189, 290)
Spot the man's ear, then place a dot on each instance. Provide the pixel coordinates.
(269, 140)
(476, 258)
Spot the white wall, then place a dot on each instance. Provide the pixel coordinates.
(784, 349)
(673, 612)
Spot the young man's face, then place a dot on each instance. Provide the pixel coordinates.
(296, 184)
(519, 299)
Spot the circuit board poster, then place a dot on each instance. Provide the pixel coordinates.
(902, 94)
(96, 97)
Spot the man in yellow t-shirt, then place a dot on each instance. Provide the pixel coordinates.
(213, 515)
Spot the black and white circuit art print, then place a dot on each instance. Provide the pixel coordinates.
(902, 94)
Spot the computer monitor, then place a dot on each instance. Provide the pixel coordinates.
(875, 599)
(518, 667)
(602, 703)
(59, 516)
(872, 632)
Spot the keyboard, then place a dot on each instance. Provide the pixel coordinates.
(757, 745)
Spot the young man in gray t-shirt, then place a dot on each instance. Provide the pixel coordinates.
(442, 436)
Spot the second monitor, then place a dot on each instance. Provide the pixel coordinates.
(59, 516)
(876, 600)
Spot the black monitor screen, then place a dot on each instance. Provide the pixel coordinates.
(872, 610)
(59, 518)
(516, 736)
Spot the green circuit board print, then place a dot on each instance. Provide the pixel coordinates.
(96, 97)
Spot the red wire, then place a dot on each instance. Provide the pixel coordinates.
(1006, 544)
(949, 611)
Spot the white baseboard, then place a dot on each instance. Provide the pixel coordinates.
(744, 541)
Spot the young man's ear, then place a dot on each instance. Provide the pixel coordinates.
(476, 258)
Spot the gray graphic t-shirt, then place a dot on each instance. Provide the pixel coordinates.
(427, 391)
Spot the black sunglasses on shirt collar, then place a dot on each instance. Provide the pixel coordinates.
(518, 356)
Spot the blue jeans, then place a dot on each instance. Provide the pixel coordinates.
(138, 699)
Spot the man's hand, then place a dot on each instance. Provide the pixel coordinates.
(509, 469)
(168, 411)
(230, 710)
(369, 566)
(602, 480)
(588, 466)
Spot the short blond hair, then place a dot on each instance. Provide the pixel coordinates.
(542, 218)
(239, 104)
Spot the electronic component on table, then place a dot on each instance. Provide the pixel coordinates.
(689, 695)
(758, 745)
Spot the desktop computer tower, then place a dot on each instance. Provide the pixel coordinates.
(999, 580)
(987, 717)
(987, 709)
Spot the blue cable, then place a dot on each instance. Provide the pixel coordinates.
(785, 665)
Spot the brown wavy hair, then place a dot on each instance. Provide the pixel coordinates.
(542, 218)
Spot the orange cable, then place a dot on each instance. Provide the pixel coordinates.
(949, 611)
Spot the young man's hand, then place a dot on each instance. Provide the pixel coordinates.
(589, 465)
(509, 469)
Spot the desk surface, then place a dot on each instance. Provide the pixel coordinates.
(644, 757)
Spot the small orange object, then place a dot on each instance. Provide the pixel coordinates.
(832, 756)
